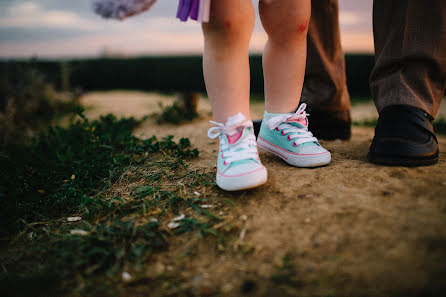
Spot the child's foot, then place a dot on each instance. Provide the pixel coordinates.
(238, 163)
(287, 136)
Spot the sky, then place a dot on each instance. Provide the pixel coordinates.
(70, 29)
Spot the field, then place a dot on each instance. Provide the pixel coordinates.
(116, 212)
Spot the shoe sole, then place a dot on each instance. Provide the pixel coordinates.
(298, 160)
(401, 161)
(244, 181)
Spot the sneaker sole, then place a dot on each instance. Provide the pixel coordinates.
(392, 160)
(298, 160)
(244, 181)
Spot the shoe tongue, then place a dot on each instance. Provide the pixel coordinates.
(234, 137)
(237, 133)
(300, 123)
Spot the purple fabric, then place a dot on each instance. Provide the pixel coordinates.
(184, 14)
(180, 6)
(194, 9)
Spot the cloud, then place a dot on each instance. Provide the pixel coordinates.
(30, 15)
(349, 18)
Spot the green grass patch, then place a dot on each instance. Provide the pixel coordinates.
(440, 125)
(127, 193)
(174, 114)
(28, 103)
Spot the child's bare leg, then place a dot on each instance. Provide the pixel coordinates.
(226, 57)
(284, 59)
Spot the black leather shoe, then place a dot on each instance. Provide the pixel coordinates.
(324, 125)
(330, 125)
(404, 136)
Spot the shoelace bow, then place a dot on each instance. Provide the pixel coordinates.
(242, 150)
(282, 122)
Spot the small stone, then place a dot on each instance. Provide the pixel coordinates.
(126, 276)
(179, 218)
(78, 232)
(197, 194)
(244, 217)
(32, 235)
(307, 220)
(74, 219)
(173, 225)
(248, 286)
(206, 291)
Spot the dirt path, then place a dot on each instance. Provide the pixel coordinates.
(351, 228)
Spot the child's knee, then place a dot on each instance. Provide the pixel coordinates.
(229, 28)
(289, 27)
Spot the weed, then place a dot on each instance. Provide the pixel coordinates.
(184, 110)
(29, 103)
(286, 273)
(440, 125)
(366, 123)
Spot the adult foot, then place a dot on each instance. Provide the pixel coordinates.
(404, 136)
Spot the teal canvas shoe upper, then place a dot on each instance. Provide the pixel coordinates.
(238, 147)
(238, 162)
(287, 136)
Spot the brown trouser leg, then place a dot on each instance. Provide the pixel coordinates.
(325, 85)
(410, 53)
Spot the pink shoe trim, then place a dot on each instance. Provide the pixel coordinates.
(241, 174)
(303, 122)
(292, 152)
(271, 151)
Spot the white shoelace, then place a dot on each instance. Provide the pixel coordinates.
(243, 150)
(302, 134)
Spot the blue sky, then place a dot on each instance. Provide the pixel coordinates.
(65, 28)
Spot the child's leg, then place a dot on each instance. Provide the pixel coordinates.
(284, 130)
(226, 57)
(284, 59)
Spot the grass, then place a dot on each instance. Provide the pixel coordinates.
(439, 124)
(185, 109)
(123, 191)
(29, 103)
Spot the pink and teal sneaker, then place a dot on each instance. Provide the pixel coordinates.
(286, 135)
(238, 163)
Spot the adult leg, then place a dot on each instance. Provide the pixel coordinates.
(325, 88)
(226, 57)
(409, 79)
